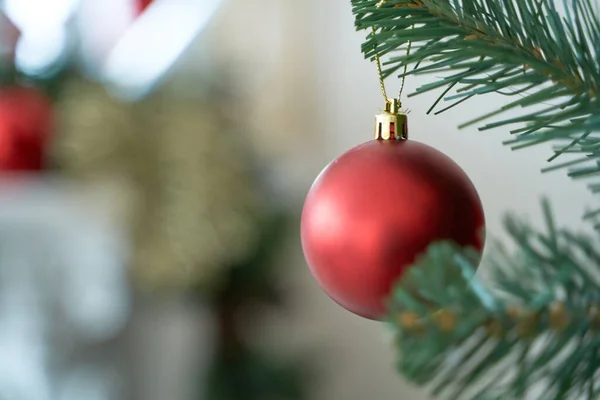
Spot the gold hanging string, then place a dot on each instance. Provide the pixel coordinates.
(404, 72)
(380, 71)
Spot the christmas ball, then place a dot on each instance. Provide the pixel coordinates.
(376, 208)
(25, 128)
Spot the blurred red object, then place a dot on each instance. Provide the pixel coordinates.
(142, 5)
(26, 121)
(9, 36)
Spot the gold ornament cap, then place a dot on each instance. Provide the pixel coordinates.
(391, 124)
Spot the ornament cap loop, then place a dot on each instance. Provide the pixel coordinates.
(392, 106)
(391, 124)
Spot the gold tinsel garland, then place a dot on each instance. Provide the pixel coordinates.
(193, 203)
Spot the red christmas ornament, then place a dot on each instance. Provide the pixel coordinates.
(25, 128)
(373, 210)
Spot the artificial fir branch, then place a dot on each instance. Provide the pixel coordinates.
(535, 334)
(523, 48)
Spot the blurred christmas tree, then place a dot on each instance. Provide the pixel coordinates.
(196, 213)
(240, 371)
(198, 222)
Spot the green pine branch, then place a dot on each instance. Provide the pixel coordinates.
(535, 334)
(547, 62)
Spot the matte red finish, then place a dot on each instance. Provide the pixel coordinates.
(377, 207)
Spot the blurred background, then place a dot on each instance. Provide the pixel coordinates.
(154, 158)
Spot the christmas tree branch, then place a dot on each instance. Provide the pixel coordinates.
(534, 333)
(546, 61)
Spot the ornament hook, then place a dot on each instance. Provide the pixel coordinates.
(391, 124)
(392, 106)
